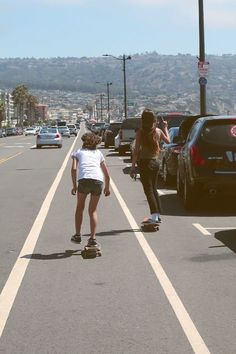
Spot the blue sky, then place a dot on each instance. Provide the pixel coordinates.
(77, 28)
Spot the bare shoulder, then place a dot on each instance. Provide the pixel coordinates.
(159, 132)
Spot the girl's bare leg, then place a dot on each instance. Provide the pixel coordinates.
(93, 214)
(81, 198)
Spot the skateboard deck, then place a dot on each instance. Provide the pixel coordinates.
(91, 251)
(149, 227)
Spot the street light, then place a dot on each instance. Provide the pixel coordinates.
(123, 58)
(108, 84)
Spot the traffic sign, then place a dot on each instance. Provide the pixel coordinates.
(203, 68)
(202, 81)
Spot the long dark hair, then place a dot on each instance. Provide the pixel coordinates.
(149, 136)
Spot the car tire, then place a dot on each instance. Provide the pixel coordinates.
(179, 185)
(59, 146)
(38, 146)
(189, 195)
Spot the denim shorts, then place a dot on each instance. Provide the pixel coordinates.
(89, 185)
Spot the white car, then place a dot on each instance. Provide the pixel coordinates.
(30, 131)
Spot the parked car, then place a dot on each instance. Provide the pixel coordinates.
(30, 131)
(168, 157)
(64, 131)
(98, 128)
(11, 131)
(126, 134)
(173, 119)
(110, 133)
(77, 126)
(169, 152)
(2, 133)
(207, 160)
(72, 129)
(48, 137)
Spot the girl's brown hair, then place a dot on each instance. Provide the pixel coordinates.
(90, 141)
(149, 136)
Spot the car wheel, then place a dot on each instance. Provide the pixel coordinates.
(189, 195)
(179, 185)
(38, 146)
(59, 146)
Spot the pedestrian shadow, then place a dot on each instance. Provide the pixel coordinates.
(51, 256)
(115, 232)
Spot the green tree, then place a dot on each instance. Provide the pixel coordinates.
(31, 112)
(20, 94)
(2, 112)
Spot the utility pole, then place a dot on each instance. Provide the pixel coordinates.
(202, 79)
(108, 101)
(123, 58)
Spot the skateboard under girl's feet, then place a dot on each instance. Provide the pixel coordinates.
(91, 251)
(148, 225)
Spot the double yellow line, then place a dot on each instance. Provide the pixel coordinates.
(9, 157)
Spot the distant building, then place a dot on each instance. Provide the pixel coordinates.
(42, 111)
(7, 99)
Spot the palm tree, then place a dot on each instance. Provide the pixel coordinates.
(31, 103)
(20, 94)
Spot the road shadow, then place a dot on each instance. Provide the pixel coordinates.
(173, 205)
(228, 238)
(51, 256)
(114, 232)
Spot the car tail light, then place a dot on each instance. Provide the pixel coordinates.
(57, 135)
(197, 159)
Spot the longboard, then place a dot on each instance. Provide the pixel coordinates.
(91, 252)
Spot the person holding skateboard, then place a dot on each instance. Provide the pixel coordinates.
(145, 154)
(90, 170)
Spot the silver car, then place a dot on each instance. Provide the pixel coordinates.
(64, 131)
(49, 137)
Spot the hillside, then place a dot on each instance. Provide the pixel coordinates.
(149, 75)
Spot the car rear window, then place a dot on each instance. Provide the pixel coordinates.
(220, 133)
(114, 127)
(131, 123)
(52, 130)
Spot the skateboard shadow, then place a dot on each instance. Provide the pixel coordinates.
(56, 255)
(114, 232)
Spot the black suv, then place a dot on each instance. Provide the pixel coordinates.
(207, 161)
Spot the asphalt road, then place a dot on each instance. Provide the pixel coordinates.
(172, 291)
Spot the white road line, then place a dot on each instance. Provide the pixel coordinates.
(222, 228)
(202, 229)
(190, 330)
(9, 292)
